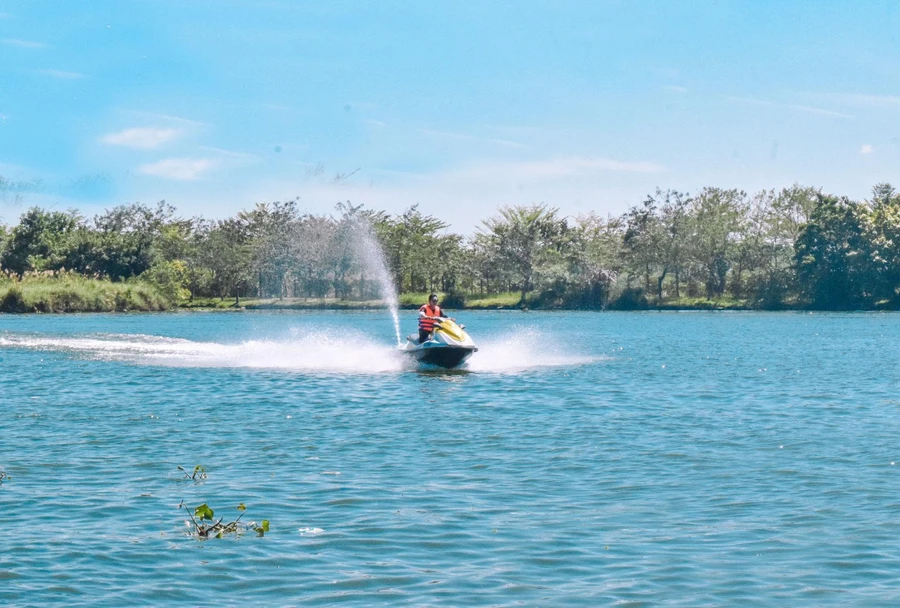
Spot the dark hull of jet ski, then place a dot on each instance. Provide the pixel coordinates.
(448, 347)
(441, 356)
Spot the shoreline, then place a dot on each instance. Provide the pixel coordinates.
(252, 304)
(348, 306)
(70, 293)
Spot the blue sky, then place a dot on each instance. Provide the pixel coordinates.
(458, 106)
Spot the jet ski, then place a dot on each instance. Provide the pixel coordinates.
(448, 347)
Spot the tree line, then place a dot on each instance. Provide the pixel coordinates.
(791, 248)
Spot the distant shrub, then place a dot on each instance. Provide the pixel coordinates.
(12, 300)
(632, 298)
(170, 279)
(454, 300)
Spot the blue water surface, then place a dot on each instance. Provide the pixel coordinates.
(593, 459)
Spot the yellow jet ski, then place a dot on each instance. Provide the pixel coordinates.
(449, 345)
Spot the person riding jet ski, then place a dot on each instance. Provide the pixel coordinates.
(441, 342)
(429, 314)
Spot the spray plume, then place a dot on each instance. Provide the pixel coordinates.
(372, 258)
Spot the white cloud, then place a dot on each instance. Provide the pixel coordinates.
(163, 118)
(819, 111)
(231, 155)
(674, 88)
(572, 166)
(787, 106)
(145, 138)
(883, 101)
(466, 137)
(866, 149)
(179, 169)
(62, 74)
(282, 108)
(23, 44)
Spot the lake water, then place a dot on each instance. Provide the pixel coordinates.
(589, 459)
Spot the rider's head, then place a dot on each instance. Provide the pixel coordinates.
(433, 299)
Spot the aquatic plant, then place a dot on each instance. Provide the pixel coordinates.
(198, 474)
(217, 528)
(202, 514)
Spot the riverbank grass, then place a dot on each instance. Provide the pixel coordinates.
(686, 303)
(69, 292)
(510, 299)
(407, 301)
(279, 304)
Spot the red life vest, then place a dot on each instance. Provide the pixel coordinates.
(426, 324)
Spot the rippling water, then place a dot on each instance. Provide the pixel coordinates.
(580, 459)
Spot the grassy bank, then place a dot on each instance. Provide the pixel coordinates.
(411, 301)
(280, 304)
(474, 302)
(406, 301)
(502, 301)
(66, 292)
(683, 303)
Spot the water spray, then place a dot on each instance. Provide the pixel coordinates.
(373, 259)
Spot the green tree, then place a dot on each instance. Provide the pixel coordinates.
(314, 237)
(716, 215)
(4, 236)
(783, 215)
(597, 259)
(657, 236)
(272, 229)
(125, 241)
(521, 239)
(416, 252)
(834, 256)
(345, 249)
(40, 241)
(447, 272)
(227, 253)
(639, 240)
(884, 233)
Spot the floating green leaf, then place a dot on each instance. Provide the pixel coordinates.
(219, 528)
(203, 512)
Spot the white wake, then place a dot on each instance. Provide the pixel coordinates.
(319, 351)
(322, 352)
(522, 350)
